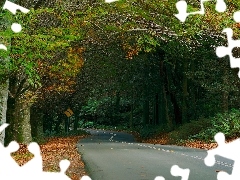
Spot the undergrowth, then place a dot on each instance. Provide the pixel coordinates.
(202, 130)
(227, 123)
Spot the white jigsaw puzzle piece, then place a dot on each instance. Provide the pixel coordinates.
(4, 125)
(182, 9)
(12, 7)
(177, 171)
(86, 178)
(222, 51)
(110, 1)
(159, 178)
(7, 164)
(236, 16)
(229, 151)
(35, 165)
(9, 168)
(3, 47)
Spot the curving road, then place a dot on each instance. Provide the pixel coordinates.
(116, 156)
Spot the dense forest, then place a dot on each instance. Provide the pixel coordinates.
(129, 64)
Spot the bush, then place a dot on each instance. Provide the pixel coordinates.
(88, 124)
(227, 123)
(188, 130)
(148, 131)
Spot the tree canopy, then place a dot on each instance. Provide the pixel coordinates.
(129, 62)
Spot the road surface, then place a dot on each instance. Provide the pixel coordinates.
(116, 156)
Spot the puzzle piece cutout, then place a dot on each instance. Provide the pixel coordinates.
(3, 126)
(86, 178)
(110, 1)
(236, 16)
(177, 171)
(182, 9)
(35, 162)
(230, 151)
(12, 7)
(222, 51)
(7, 163)
(33, 169)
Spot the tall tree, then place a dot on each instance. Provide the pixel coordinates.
(49, 35)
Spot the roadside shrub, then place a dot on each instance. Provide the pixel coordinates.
(227, 123)
(188, 130)
(148, 131)
(88, 124)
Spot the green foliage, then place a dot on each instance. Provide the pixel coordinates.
(110, 31)
(205, 129)
(148, 43)
(149, 131)
(188, 130)
(90, 108)
(46, 32)
(97, 109)
(88, 124)
(227, 123)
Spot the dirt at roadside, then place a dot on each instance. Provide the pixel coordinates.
(164, 140)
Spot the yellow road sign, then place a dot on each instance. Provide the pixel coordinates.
(68, 112)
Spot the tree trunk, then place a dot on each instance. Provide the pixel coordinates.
(131, 116)
(57, 126)
(22, 126)
(156, 110)
(177, 111)
(10, 120)
(66, 120)
(146, 112)
(117, 108)
(146, 91)
(18, 112)
(185, 92)
(162, 111)
(25, 108)
(165, 108)
(10, 131)
(76, 120)
(3, 106)
(4, 85)
(173, 97)
(164, 116)
(47, 122)
(193, 93)
(36, 120)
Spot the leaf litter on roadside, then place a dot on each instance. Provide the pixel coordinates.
(53, 151)
(164, 139)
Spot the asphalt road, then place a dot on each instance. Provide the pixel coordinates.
(116, 156)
